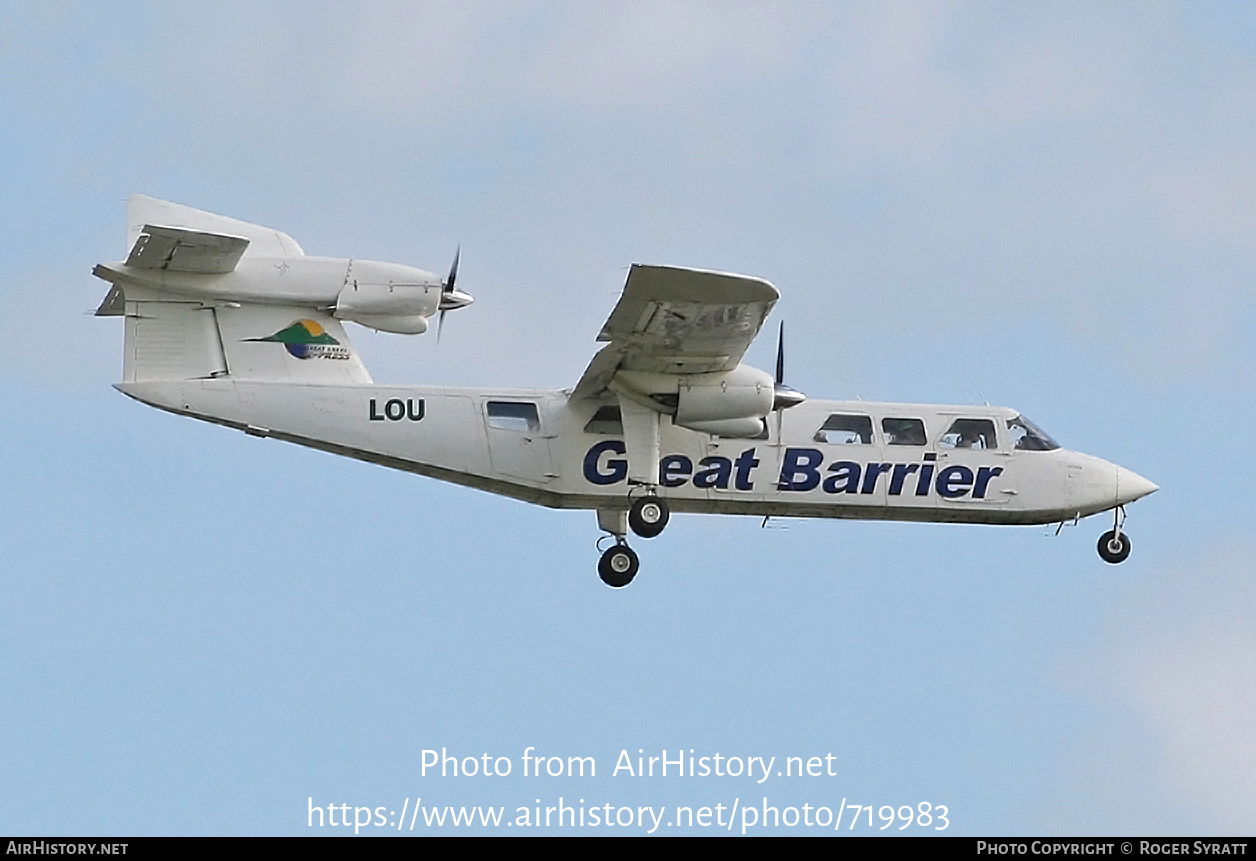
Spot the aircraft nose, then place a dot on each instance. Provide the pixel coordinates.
(1131, 486)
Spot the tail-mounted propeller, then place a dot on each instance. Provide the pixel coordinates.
(784, 397)
(450, 297)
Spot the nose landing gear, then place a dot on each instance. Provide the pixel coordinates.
(1114, 545)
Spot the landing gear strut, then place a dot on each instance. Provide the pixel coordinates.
(1114, 545)
(648, 515)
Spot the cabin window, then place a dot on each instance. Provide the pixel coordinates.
(970, 433)
(1027, 436)
(845, 430)
(606, 420)
(513, 415)
(903, 431)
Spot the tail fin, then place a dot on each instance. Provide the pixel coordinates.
(192, 333)
(192, 340)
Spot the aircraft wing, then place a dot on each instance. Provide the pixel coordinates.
(179, 250)
(671, 320)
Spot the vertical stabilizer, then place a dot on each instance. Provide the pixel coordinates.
(192, 341)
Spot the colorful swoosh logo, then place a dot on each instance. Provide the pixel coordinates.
(300, 337)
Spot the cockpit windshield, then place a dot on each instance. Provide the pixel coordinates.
(1027, 436)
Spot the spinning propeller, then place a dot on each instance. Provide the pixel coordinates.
(450, 297)
(785, 397)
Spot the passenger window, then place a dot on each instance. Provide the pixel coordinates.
(513, 415)
(846, 430)
(970, 433)
(903, 431)
(606, 420)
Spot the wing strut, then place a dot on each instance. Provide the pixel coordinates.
(641, 439)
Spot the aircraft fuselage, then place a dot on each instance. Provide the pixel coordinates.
(230, 322)
(542, 447)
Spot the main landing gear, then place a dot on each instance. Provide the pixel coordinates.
(618, 565)
(1114, 545)
(647, 516)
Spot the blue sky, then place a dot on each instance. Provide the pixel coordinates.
(1051, 205)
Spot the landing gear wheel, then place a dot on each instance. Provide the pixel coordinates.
(618, 566)
(648, 516)
(1114, 548)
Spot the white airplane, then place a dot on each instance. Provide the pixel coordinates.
(232, 323)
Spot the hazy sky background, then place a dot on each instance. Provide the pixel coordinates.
(1050, 206)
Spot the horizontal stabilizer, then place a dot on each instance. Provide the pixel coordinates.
(142, 211)
(178, 250)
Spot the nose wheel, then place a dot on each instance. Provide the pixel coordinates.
(1114, 545)
(618, 566)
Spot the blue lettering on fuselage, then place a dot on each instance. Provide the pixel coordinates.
(674, 469)
(612, 470)
(800, 470)
(605, 464)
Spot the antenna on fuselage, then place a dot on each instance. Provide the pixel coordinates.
(849, 384)
(980, 393)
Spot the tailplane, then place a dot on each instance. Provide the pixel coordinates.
(209, 297)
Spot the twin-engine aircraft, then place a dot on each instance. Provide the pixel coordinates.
(232, 323)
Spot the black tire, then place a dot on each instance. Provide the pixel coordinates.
(1112, 548)
(618, 566)
(648, 516)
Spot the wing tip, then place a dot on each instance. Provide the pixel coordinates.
(751, 287)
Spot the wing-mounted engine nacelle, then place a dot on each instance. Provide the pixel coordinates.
(728, 403)
(742, 394)
(388, 297)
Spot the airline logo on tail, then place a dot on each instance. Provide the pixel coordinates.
(305, 339)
